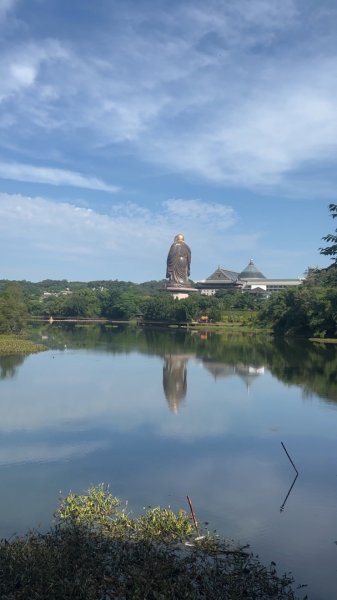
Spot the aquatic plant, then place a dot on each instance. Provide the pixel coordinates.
(98, 509)
(12, 344)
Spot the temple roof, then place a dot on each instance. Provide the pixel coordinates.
(251, 272)
(223, 275)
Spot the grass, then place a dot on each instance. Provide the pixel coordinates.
(13, 344)
(97, 551)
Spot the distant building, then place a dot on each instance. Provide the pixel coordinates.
(249, 280)
(221, 279)
(65, 292)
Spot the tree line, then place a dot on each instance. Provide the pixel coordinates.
(115, 302)
(309, 310)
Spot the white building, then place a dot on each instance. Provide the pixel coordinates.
(249, 280)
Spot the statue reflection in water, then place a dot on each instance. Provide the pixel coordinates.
(175, 379)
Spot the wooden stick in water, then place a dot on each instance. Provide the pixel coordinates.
(285, 449)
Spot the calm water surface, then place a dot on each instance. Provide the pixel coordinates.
(162, 414)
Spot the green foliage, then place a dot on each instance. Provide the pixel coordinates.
(331, 237)
(97, 507)
(160, 308)
(306, 310)
(163, 524)
(322, 277)
(239, 300)
(83, 303)
(13, 310)
(321, 307)
(52, 306)
(122, 305)
(187, 309)
(166, 309)
(77, 564)
(124, 301)
(35, 290)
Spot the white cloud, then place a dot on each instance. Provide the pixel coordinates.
(218, 214)
(129, 243)
(23, 74)
(276, 128)
(235, 93)
(20, 74)
(52, 176)
(194, 97)
(6, 6)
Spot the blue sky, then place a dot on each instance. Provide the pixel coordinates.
(124, 122)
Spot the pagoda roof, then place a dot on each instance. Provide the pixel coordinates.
(251, 272)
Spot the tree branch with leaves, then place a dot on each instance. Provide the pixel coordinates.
(331, 237)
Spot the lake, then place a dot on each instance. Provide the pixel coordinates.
(161, 414)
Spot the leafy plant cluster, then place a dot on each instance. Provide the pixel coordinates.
(331, 237)
(99, 509)
(96, 550)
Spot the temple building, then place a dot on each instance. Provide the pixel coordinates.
(249, 280)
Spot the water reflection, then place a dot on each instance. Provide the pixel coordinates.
(9, 365)
(175, 379)
(313, 367)
(218, 370)
(288, 493)
(175, 375)
(99, 412)
(248, 373)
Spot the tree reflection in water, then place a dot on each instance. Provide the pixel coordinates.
(311, 366)
(9, 365)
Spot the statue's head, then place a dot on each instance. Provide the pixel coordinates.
(179, 238)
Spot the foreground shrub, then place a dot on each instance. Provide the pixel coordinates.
(96, 551)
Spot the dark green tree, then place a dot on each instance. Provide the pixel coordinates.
(160, 308)
(126, 305)
(83, 303)
(13, 310)
(324, 277)
(306, 310)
